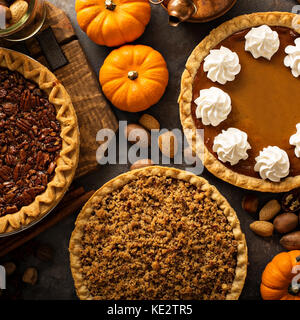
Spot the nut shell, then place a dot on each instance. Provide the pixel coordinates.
(250, 203)
(262, 228)
(135, 133)
(285, 222)
(168, 144)
(149, 122)
(291, 201)
(269, 210)
(142, 163)
(190, 156)
(291, 241)
(10, 268)
(18, 9)
(30, 276)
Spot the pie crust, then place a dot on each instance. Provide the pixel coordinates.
(76, 247)
(69, 154)
(281, 19)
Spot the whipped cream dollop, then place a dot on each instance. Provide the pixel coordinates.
(231, 145)
(292, 59)
(262, 42)
(295, 141)
(272, 163)
(213, 106)
(222, 65)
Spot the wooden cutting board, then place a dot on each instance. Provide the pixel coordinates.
(93, 111)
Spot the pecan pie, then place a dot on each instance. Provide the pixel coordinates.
(38, 141)
(251, 143)
(158, 233)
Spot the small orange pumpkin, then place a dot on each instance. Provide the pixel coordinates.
(281, 276)
(134, 77)
(113, 22)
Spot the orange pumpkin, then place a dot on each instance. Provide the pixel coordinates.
(113, 22)
(134, 77)
(281, 276)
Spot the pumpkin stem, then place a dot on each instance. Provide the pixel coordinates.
(132, 75)
(110, 5)
(294, 290)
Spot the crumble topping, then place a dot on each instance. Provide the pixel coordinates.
(158, 238)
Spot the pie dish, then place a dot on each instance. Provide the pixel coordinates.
(39, 141)
(264, 96)
(158, 233)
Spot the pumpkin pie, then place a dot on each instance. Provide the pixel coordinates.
(158, 233)
(39, 141)
(241, 87)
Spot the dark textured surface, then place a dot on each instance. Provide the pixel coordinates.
(55, 280)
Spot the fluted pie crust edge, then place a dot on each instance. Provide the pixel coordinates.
(68, 158)
(123, 179)
(283, 19)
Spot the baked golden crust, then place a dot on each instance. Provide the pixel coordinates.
(217, 35)
(75, 246)
(69, 154)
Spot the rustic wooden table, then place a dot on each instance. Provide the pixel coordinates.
(55, 281)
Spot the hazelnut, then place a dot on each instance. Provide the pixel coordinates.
(250, 203)
(30, 276)
(142, 163)
(10, 268)
(168, 144)
(190, 156)
(135, 133)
